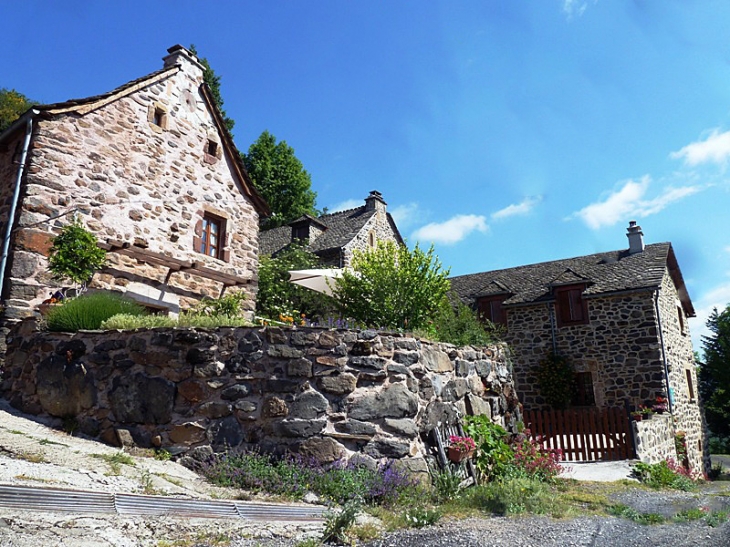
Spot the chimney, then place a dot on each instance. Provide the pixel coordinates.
(178, 55)
(375, 202)
(636, 238)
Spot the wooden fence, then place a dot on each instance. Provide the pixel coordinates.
(586, 434)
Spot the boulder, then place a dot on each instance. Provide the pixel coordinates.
(141, 399)
(395, 401)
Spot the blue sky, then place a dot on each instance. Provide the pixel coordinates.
(504, 132)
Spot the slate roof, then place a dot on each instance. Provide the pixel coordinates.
(341, 228)
(603, 273)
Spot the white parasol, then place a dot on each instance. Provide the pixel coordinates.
(321, 280)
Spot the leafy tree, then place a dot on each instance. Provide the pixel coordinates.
(277, 295)
(393, 287)
(74, 254)
(714, 373)
(214, 83)
(460, 325)
(12, 106)
(281, 178)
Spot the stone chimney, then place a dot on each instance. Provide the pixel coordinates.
(636, 238)
(375, 202)
(178, 55)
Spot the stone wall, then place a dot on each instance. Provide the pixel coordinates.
(381, 229)
(654, 439)
(137, 182)
(324, 393)
(619, 346)
(688, 415)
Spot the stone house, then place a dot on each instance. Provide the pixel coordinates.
(334, 237)
(152, 171)
(619, 317)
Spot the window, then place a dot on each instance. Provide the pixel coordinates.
(690, 387)
(158, 118)
(583, 395)
(680, 315)
(211, 151)
(490, 308)
(212, 236)
(300, 232)
(571, 307)
(371, 239)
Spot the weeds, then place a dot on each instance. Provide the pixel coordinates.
(116, 460)
(32, 457)
(419, 516)
(665, 474)
(338, 523)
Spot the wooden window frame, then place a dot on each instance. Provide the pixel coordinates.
(571, 307)
(204, 233)
(492, 309)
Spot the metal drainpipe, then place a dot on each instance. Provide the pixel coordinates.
(664, 351)
(14, 204)
(551, 313)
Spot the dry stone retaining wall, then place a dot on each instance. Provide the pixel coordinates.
(323, 393)
(654, 439)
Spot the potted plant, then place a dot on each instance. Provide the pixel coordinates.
(461, 448)
(637, 416)
(647, 412)
(660, 405)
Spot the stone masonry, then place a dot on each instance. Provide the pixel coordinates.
(141, 166)
(329, 394)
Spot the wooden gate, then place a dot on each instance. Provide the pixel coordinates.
(586, 434)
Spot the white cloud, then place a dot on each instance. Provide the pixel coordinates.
(714, 149)
(575, 7)
(451, 231)
(343, 206)
(522, 208)
(404, 215)
(628, 202)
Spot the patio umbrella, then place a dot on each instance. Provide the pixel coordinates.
(321, 280)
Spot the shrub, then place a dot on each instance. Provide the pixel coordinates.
(514, 496)
(461, 326)
(533, 461)
(89, 311)
(130, 322)
(665, 474)
(494, 455)
(556, 379)
(294, 476)
(228, 305)
(74, 254)
(391, 286)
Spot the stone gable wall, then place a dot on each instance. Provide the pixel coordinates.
(378, 224)
(688, 415)
(132, 181)
(325, 393)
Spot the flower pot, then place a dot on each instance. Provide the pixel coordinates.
(637, 417)
(648, 415)
(457, 456)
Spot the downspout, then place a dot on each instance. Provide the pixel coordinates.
(664, 351)
(14, 203)
(551, 313)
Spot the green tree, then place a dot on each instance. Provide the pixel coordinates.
(74, 254)
(458, 324)
(281, 179)
(714, 373)
(278, 295)
(12, 106)
(393, 287)
(214, 84)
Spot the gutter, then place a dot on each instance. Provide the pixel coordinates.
(664, 351)
(16, 197)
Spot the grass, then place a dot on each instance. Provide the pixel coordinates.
(48, 441)
(116, 460)
(32, 457)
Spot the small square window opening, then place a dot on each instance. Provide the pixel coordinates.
(158, 117)
(212, 148)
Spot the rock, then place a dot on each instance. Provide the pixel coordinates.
(395, 401)
(387, 448)
(356, 427)
(455, 389)
(141, 399)
(438, 412)
(238, 391)
(403, 427)
(338, 383)
(415, 467)
(309, 405)
(192, 390)
(372, 362)
(303, 338)
(284, 352)
(214, 409)
(299, 367)
(64, 388)
(299, 428)
(436, 361)
(406, 358)
(225, 434)
(187, 433)
(209, 369)
(124, 436)
(329, 339)
(475, 405)
(274, 407)
(324, 450)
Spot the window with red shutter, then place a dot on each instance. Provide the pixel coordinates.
(571, 307)
(491, 308)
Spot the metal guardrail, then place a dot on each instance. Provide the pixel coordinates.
(85, 502)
